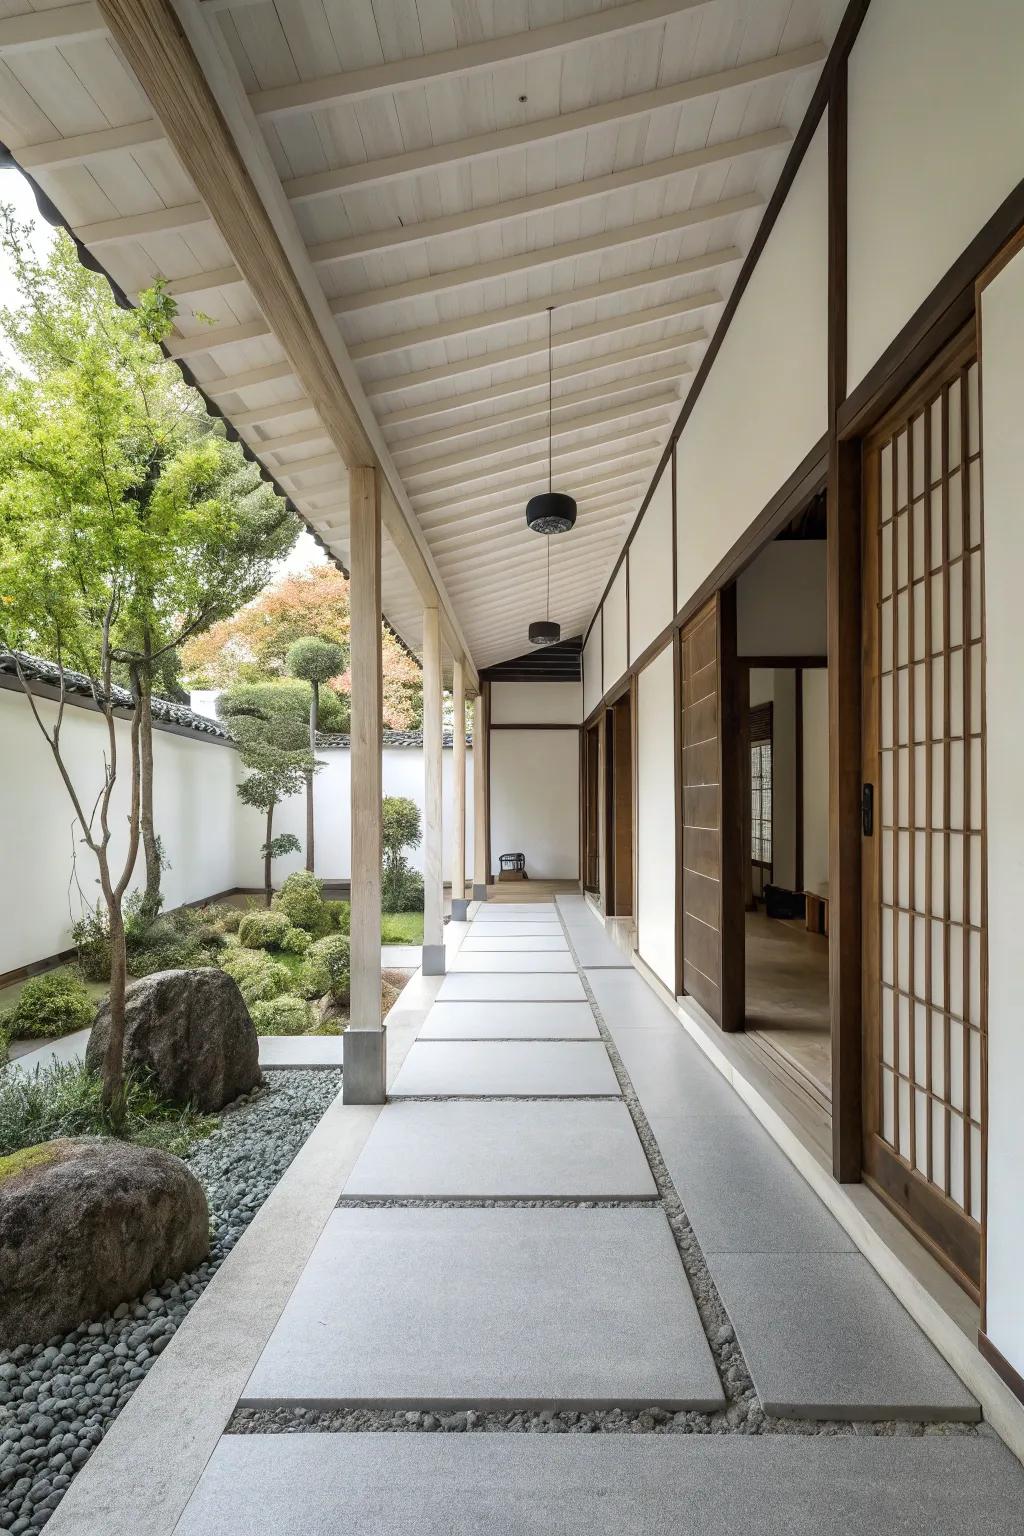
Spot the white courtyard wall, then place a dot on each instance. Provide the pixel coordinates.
(655, 804)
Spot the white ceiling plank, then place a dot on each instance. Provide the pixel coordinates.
(202, 282)
(232, 382)
(272, 412)
(585, 488)
(217, 336)
(618, 386)
(626, 454)
(80, 147)
(135, 226)
(422, 69)
(530, 261)
(49, 29)
(372, 172)
(445, 404)
(612, 447)
(276, 445)
(552, 199)
(511, 516)
(318, 461)
(500, 542)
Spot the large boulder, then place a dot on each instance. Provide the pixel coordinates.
(191, 1032)
(86, 1224)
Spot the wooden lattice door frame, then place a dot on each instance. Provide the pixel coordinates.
(923, 873)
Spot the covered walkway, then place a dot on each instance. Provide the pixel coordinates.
(564, 1221)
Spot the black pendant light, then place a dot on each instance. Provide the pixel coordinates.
(545, 631)
(551, 511)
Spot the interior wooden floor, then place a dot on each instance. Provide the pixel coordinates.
(787, 1000)
(529, 890)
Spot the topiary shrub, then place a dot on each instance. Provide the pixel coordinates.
(301, 899)
(259, 978)
(55, 1003)
(327, 969)
(284, 1015)
(227, 919)
(296, 941)
(340, 914)
(92, 940)
(263, 930)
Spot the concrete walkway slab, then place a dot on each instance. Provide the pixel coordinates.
(516, 912)
(625, 998)
(671, 1074)
(68, 1049)
(824, 1337)
(593, 945)
(510, 1021)
(523, 1306)
(525, 930)
(278, 1051)
(587, 1150)
(505, 988)
(604, 1485)
(536, 944)
(494, 1068)
(401, 957)
(530, 963)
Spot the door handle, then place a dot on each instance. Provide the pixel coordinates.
(867, 810)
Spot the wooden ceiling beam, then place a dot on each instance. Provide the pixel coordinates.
(231, 383)
(513, 519)
(81, 147)
(544, 130)
(547, 256)
(260, 413)
(523, 480)
(504, 542)
(483, 320)
(219, 336)
(611, 449)
(485, 591)
(136, 226)
(297, 439)
(455, 514)
(552, 200)
(419, 70)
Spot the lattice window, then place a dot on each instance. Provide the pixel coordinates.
(761, 802)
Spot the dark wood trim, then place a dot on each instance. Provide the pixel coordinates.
(844, 685)
(485, 692)
(628, 637)
(795, 663)
(733, 747)
(798, 773)
(1004, 1370)
(677, 731)
(535, 725)
(845, 38)
(608, 809)
(948, 307)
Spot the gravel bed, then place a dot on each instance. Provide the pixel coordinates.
(58, 1398)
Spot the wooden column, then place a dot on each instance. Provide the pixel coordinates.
(458, 846)
(480, 858)
(433, 859)
(364, 1076)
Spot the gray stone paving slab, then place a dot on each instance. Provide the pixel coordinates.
(740, 1191)
(301, 1050)
(67, 1049)
(492, 1068)
(625, 998)
(824, 1337)
(510, 1021)
(586, 1150)
(607, 1485)
(531, 963)
(401, 956)
(671, 1073)
(503, 987)
(495, 910)
(536, 944)
(542, 927)
(505, 1305)
(593, 945)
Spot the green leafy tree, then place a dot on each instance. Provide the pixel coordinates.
(400, 828)
(315, 661)
(270, 729)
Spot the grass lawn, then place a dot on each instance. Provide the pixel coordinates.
(401, 928)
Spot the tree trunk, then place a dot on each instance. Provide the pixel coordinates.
(112, 1097)
(268, 889)
(151, 847)
(314, 717)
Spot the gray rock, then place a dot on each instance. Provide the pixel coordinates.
(191, 1031)
(86, 1224)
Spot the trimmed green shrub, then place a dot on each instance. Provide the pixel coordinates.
(65, 1099)
(401, 887)
(340, 914)
(284, 1015)
(92, 940)
(296, 941)
(263, 930)
(55, 1003)
(228, 918)
(327, 969)
(259, 978)
(301, 899)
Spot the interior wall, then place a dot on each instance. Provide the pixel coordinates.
(651, 587)
(593, 686)
(781, 600)
(777, 687)
(536, 703)
(764, 405)
(936, 143)
(535, 805)
(615, 630)
(1002, 317)
(655, 792)
(815, 776)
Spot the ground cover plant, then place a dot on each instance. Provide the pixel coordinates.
(53, 1004)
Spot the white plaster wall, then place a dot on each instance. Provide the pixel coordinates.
(651, 588)
(593, 687)
(1002, 313)
(656, 812)
(936, 135)
(536, 703)
(784, 777)
(781, 601)
(815, 688)
(764, 405)
(614, 615)
(402, 771)
(201, 823)
(535, 805)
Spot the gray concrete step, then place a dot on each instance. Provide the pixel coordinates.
(493, 1068)
(592, 944)
(502, 987)
(510, 1021)
(533, 962)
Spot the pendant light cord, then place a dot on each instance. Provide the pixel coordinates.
(551, 310)
(547, 605)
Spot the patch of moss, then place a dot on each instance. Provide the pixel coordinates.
(28, 1157)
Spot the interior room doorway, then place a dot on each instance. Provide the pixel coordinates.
(619, 808)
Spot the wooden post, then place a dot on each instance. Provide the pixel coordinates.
(433, 861)
(364, 1077)
(480, 798)
(459, 903)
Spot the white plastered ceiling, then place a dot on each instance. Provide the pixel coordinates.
(452, 171)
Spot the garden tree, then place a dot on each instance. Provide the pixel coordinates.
(269, 724)
(315, 661)
(198, 528)
(400, 828)
(254, 643)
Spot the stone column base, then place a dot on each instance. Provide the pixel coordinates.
(364, 1068)
(479, 893)
(433, 960)
(459, 910)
